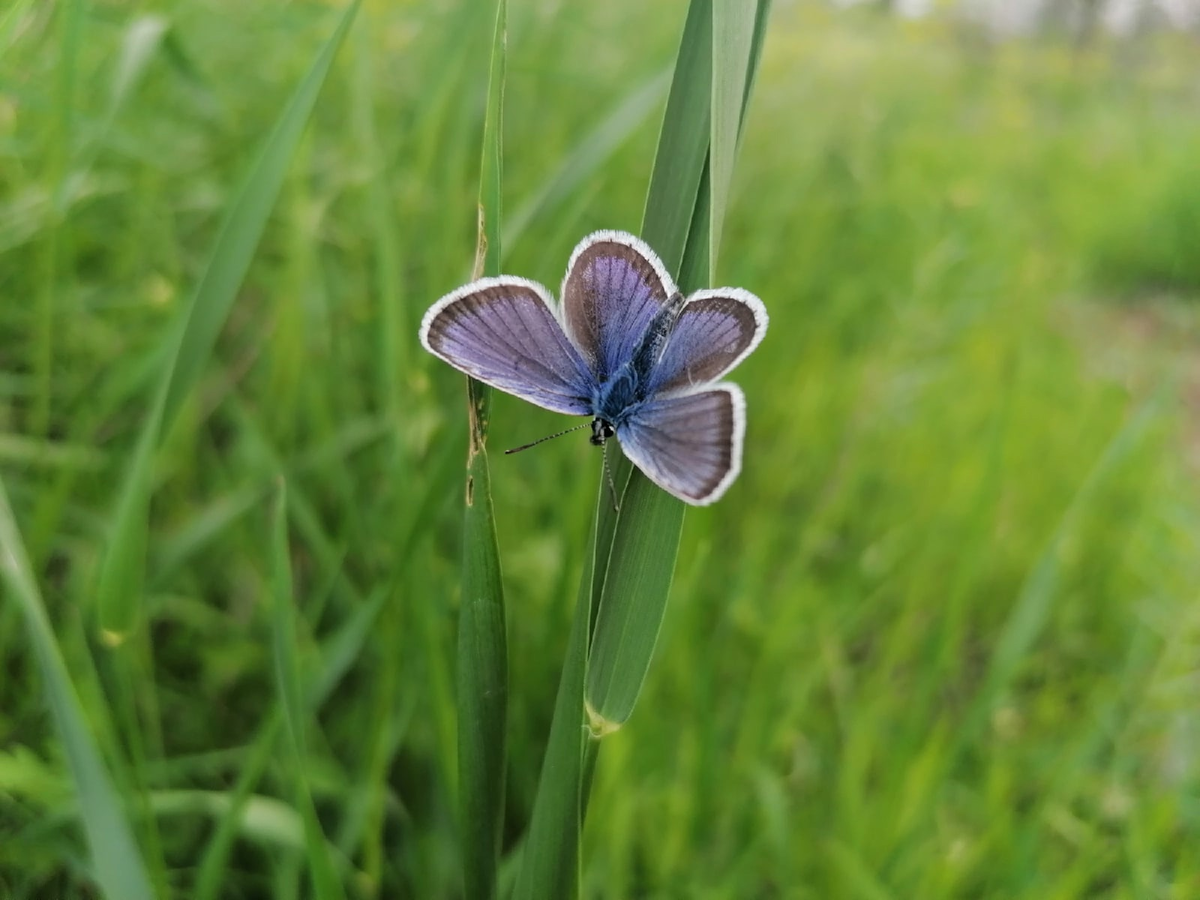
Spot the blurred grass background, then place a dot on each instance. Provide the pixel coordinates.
(941, 638)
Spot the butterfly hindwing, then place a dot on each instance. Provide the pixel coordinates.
(504, 332)
(688, 444)
(614, 286)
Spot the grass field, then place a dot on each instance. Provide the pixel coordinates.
(940, 640)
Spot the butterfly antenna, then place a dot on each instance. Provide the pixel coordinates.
(548, 437)
(612, 488)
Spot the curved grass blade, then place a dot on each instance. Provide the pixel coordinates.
(191, 339)
(682, 142)
(338, 654)
(733, 27)
(1034, 604)
(550, 859)
(482, 644)
(116, 860)
(645, 538)
(9, 21)
(287, 671)
(635, 583)
(592, 151)
(633, 551)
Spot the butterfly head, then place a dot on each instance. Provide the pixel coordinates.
(601, 431)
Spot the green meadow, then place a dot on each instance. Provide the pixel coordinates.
(941, 639)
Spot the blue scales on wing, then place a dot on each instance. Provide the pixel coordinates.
(504, 332)
(716, 330)
(614, 286)
(688, 444)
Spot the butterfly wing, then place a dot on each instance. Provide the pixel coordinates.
(504, 332)
(716, 330)
(689, 444)
(614, 285)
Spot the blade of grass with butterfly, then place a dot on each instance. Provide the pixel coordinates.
(721, 46)
(628, 573)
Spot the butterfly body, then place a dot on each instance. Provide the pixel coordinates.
(624, 347)
(617, 399)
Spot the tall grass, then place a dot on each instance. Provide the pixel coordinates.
(482, 630)
(938, 640)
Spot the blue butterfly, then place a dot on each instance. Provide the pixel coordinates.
(625, 347)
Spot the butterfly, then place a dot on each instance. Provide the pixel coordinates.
(624, 347)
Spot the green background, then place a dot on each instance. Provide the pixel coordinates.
(941, 637)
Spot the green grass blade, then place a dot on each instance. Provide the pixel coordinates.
(670, 204)
(679, 214)
(482, 644)
(287, 671)
(1035, 602)
(394, 331)
(123, 565)
(682, 142)
(242, 228)
(550, 859)
(338, 654)
(120, 581)
(632, 601)
(55, 250)
(628, 575)
(9, 21)
(117, 862)
(733, 42)
(591, 152)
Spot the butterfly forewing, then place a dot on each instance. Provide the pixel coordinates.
(690, 445)
(503, 332)
(614, 286)
(716, 330)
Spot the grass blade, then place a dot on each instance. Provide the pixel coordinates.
(550, 860)
(482, 644)
(338, 654)
(625, 583)
(1035, 602)
(682, 142)
(678, 221)
(733, 41)
(121, 571)
(287, 671)
(117, 862)
(671, 201)
(595, 148)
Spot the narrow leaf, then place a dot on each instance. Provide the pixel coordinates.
(682, 142)
(482, 644)
(339, 652)
(550, 859)
(646, 512)
(1034, 603)
(628, 574)
(287, 673)
(733, 40)
(119, 590)
(645, 541)
(593, 150)
(116, 860)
